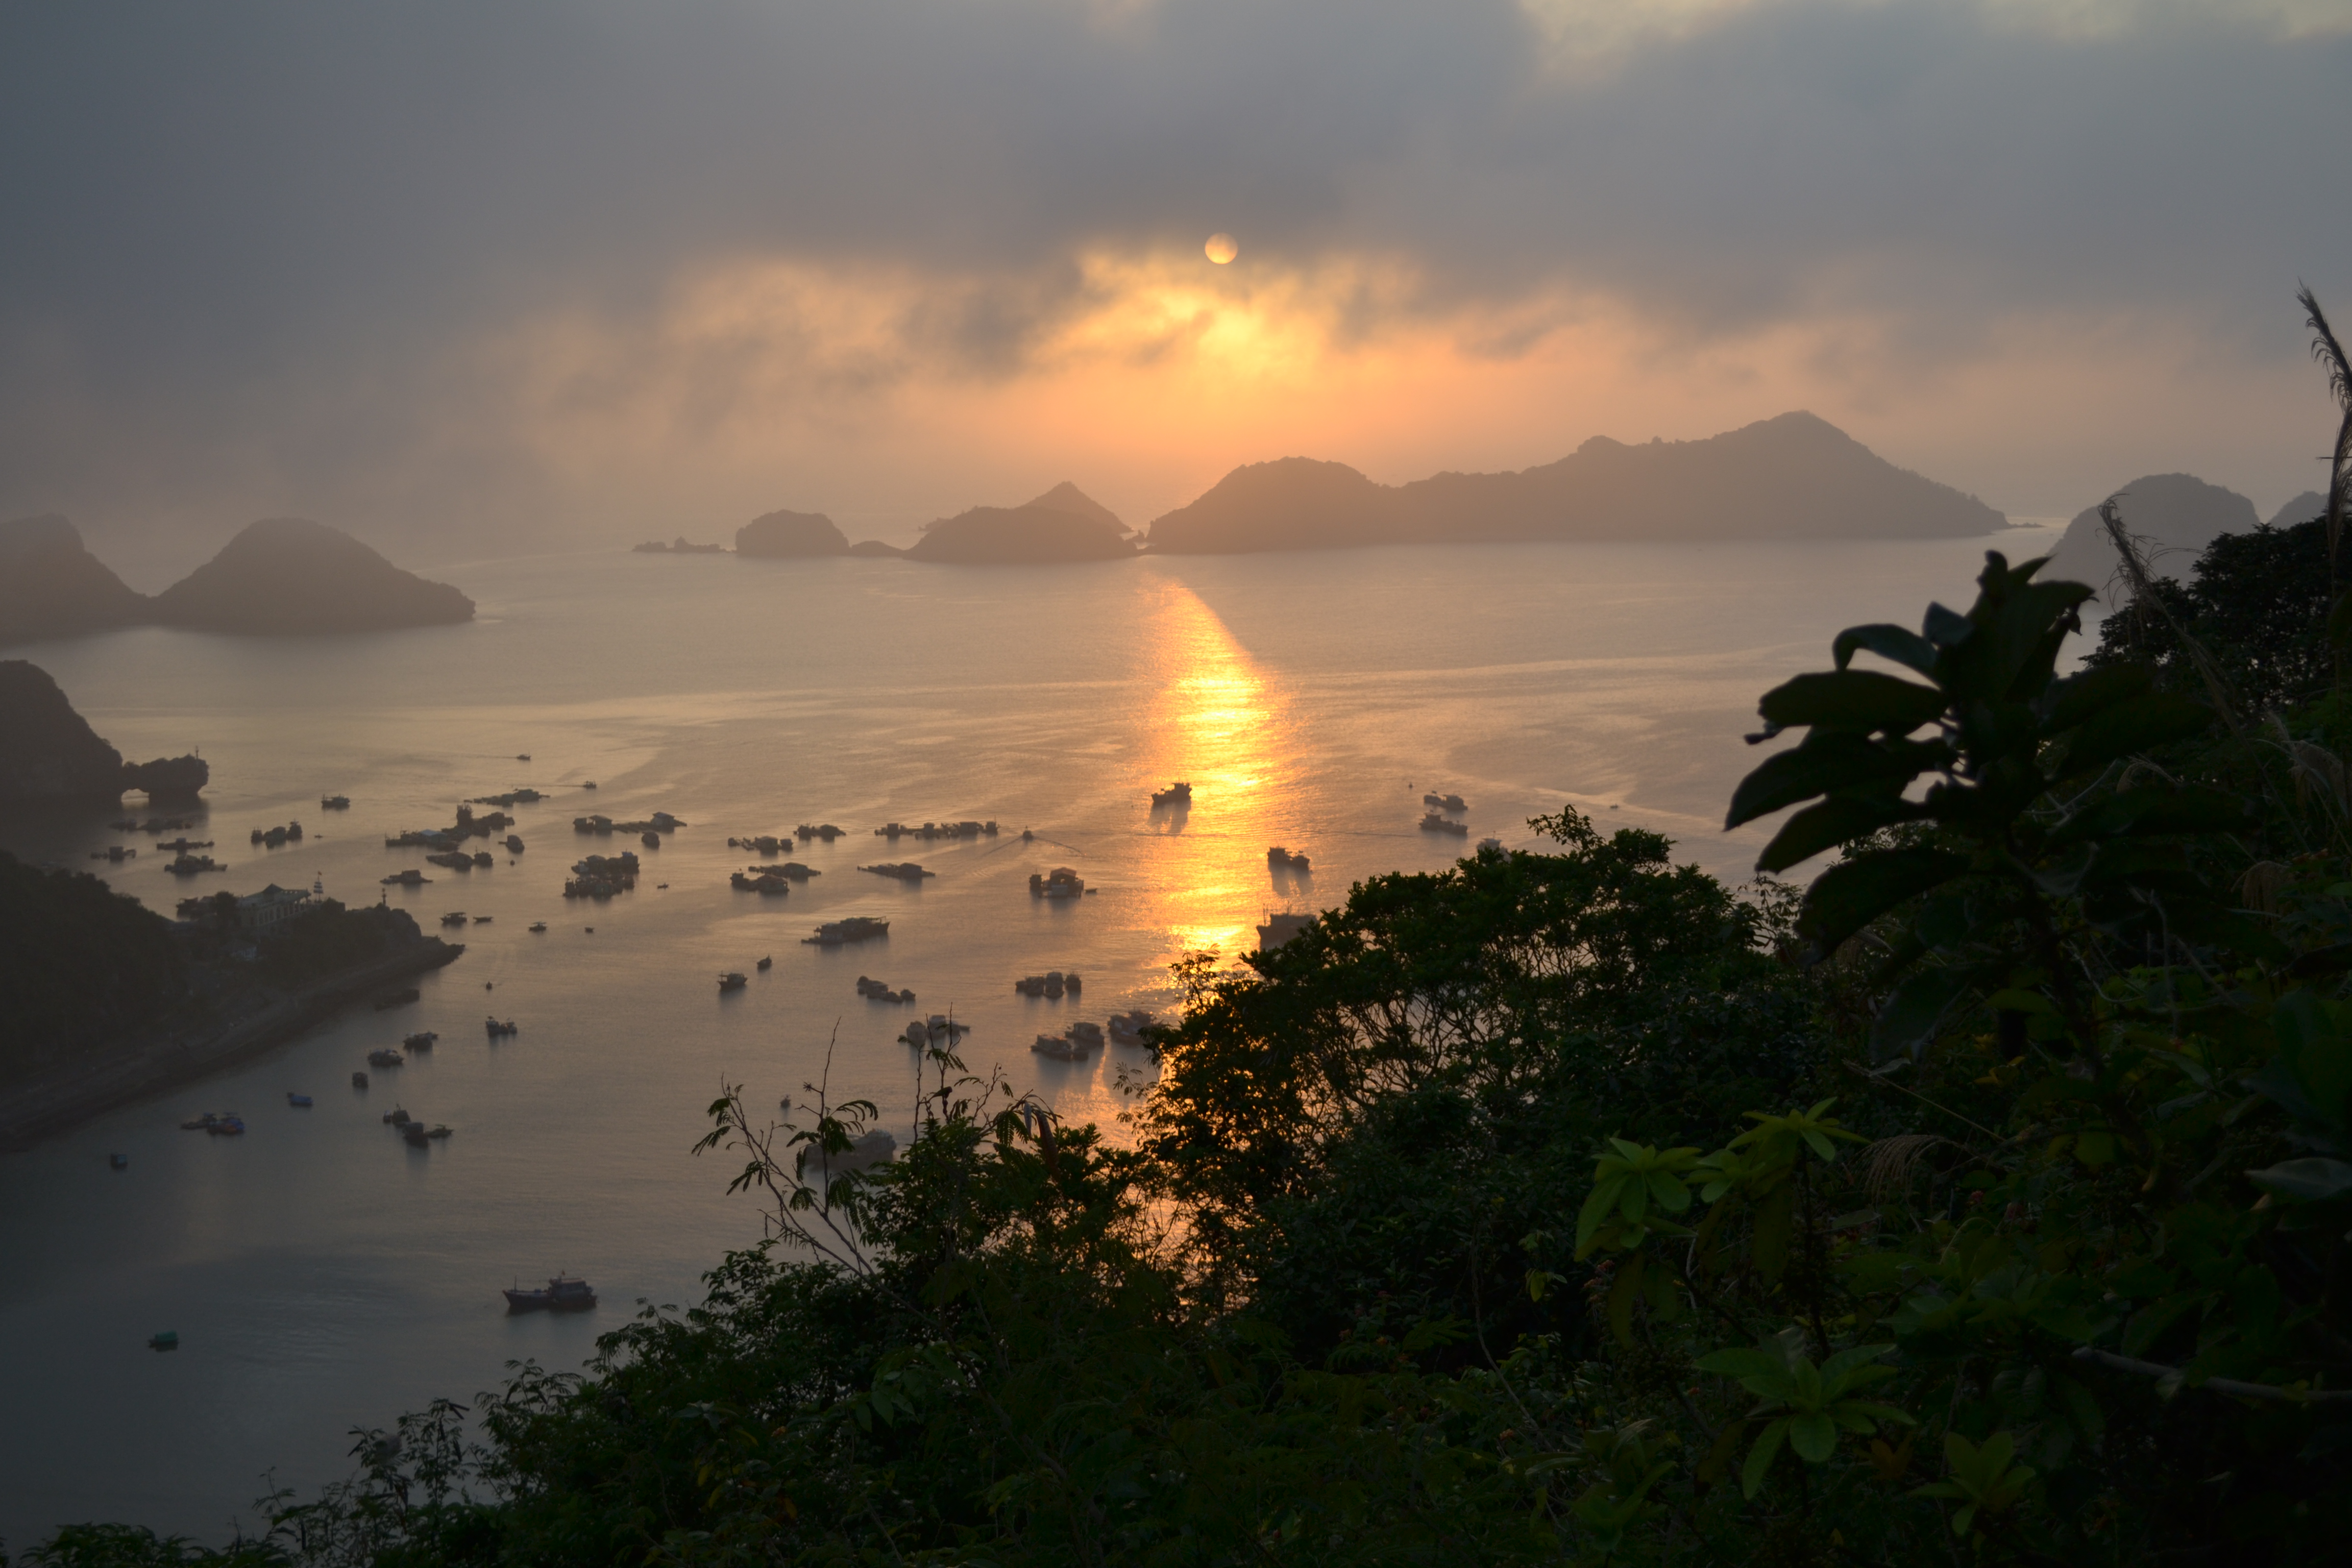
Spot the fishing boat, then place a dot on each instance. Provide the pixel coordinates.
(1433, 823)
(1178, 794)
(169, 1340)
(454, 917)
(414, 1134)
(421, 1041)
(766, 964)
(564, 1293)
(297, 1100)
(732, 980)
(497, 1030)
(539, 925)
(359, 1080)
(385, 1058)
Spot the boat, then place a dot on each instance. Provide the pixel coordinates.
(650, 840)
(169, 1340)
(1126, 1028)
(334, 802)
(1178, 794)
(1452, 803)
(1278, 855)
(1433, 823)
(497, 1030)
(359, 1080)
(438, 1132)
(539, 925)
(901, 871)
(414, 1133)
(856, 928)
(939, 1024)
(514, 842)
(732, 981)
(397, 1117)
(522, 756)
(453, 917)
(299, 1100)
(1051, 983)
(411, 877)
(1494, 844)
(228, 1124)
(484, 920)
(765, 965)
(420, 1041)
(1061, 882)
(120, 1162)
(385, 1058)
(564, 1293)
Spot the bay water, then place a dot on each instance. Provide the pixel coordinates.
(323, 1275)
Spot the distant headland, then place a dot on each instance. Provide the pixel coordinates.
(2175, 517)
(279, 576)
(50, 752)
(1793, 477)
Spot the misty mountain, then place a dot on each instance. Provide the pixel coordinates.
(2178, 514)
(50, 587)
(2302, 509)
(289, 576)
(1063, 524)
(1793, 477)
(785, 535)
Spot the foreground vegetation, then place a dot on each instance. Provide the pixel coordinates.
(1987, 1203)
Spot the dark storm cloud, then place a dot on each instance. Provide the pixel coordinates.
(267, 227)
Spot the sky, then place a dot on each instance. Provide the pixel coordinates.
(471, 276)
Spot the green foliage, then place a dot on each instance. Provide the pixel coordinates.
(2258, 604)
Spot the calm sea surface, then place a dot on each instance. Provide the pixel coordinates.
(322, 1275)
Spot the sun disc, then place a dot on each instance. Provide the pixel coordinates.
(1221, 248)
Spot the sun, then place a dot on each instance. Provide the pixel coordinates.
(1221, 248)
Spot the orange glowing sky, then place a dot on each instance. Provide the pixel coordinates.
(662, 270)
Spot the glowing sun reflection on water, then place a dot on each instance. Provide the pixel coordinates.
(1220, 723)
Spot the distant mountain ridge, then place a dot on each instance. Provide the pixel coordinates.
(1063, 524)
(2177, 515)
(1792, 476)
(280, 575)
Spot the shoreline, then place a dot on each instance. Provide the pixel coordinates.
(50, 1105)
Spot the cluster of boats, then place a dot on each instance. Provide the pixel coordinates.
(767, 880)
(411, 1129)
(603, 875)
(1052, 982)
(219, 1123)
(158, 826)
(116, 852)
(1280, 858)
(468, 825)
(513, 796)
(604, 826)
(410, 878)
(879, 991)
(1061, 882)
(385, 1057)
(188, 864)
(825, 830)
(499, 1029)
(1126, 1028)
(899, 871)
(1440, 807)
(856, 928)
(937, 830)
(459, 861)
(1073, 1044)
(277, 837)
(937, 1027)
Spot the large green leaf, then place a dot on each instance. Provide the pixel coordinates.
(2312, 1180)
(1828, 760)
(1857, 699)
(1890, 643)
(1853, 893)
(1907, 1022)
(2150, 719)
(2069, 701)
(2159, 809)
(1831, 823)
(1813, 1435)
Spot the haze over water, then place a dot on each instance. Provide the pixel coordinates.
(322, 1275)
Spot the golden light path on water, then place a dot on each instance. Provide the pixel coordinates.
(1218, 723)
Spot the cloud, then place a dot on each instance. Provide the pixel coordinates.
(460, 257)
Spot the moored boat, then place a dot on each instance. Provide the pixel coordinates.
(297, 1099)
(564, 1293)
(733, 980)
